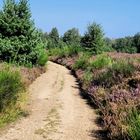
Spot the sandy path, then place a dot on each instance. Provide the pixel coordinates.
(57, 110)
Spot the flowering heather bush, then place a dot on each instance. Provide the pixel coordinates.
(123, 55)
(115, 74)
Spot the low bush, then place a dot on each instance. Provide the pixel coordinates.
(63, 51)
(82, 62)
(124, 67)
(10, 87)
(133, 122)
(43, 58)
(101, 61)
(14, 111)
(115, 73)
(87, 78)
(71, 50)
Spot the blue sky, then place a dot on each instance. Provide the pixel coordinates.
(118, 17)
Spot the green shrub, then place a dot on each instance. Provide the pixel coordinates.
(87, 78)
(59, 52)
(10, 86)
(101, 61)
(56, 52)
(41, 54)
(105, 79)
(137, 60)
(113, 75)
(71, 50)
(64, 51)
(42, 58)
(82, 62)
(124, 67)
(53, 52)
(133, 123)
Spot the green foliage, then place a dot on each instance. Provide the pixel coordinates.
(71, 51)
(131, 49)
(11, 99)
(87, 78)
(93, 39)
(42, 57)
(54, 35)
(114, 74)
(19, 38)
(108, 41)
(64, 51)
(108, 49)
(56, 52)
(133, 123)
(82, 62)
(51, 44)
(108, 45)
(125, 45)
(124, 67)
(137, 41)
(72, 37)
(11, 114)
(10, 86)
(15, 19)
(53, 39)
(101, 61)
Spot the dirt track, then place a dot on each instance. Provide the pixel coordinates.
(58, 112)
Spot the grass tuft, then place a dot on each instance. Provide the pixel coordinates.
(11, 99)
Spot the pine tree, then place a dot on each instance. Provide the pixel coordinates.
(54, 35)
(20, 41)
(72, 37)
(15, 19)
(7, 18)
(93, 39)
(53, 38)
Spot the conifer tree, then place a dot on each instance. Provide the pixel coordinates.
(53, 38)
(93, 39)
(54, 35)
(20, 41)
(72, 37)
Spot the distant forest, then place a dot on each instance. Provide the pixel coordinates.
(93, 35)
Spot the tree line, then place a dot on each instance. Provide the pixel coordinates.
(93, 40)
(129, 44)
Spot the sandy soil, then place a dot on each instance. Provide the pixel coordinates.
(57, 111)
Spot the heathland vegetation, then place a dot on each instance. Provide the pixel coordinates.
(108, 70)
